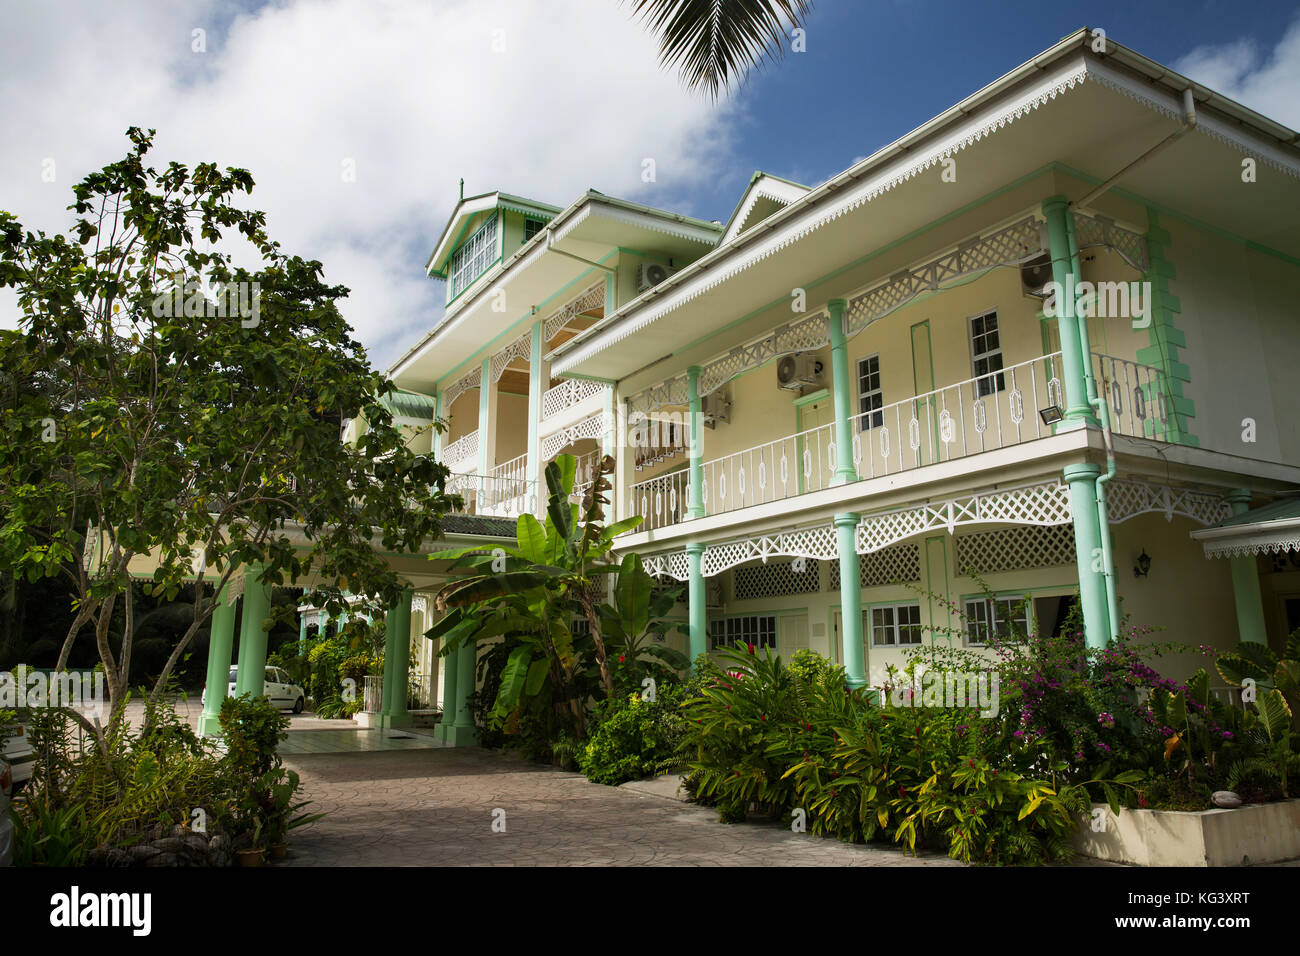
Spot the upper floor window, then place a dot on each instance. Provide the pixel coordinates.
(986, 354)
(472, 259)
(870, 395)
(532, 227)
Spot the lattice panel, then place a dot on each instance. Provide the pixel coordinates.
(1014, 244)
(817, 543)
(1043, 504)
(1126, 499)
(1015, 549)
(1131, 246)
(568, 393)
(592, 297)
(675, 391)
(775, 579)
(902, 562)
(469, 380)
(521, 348)
(593, 426)
(461, 449)
(800, 335)
(675, 565)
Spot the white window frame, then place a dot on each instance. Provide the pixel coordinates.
(873, 417)
(894, 626)
(472, 258)
(991, 620)
(736, 629)
(991, 381)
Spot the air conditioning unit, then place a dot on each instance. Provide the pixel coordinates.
(650, 274)
(800, 371)
(716, 408)
(1036, 276)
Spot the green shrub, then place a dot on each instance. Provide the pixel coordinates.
(635, 738)
(252, 728)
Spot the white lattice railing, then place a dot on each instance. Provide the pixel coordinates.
(567, 394)
(513, 471)
(461, 449)
(660, 501)
(583, 475)
(1137, 395)
(493, 495)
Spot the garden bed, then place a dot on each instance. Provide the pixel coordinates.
(1256, 833)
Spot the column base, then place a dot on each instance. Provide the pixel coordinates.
(394, 720)
(209, 725)
(458, 736)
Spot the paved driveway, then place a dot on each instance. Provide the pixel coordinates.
(428, 805)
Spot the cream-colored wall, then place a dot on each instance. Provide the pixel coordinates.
(462, 417)
(511, 426)
(1242, 325)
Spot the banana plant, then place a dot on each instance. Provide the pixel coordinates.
(530, 592)
(638, 614)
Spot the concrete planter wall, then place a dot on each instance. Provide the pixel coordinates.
(1259, 833)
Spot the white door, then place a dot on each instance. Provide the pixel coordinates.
(791, 634)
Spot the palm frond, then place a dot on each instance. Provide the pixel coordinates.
(714, 42)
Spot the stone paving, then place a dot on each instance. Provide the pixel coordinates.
(430, 805)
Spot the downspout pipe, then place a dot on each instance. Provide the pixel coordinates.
(1098, 403)
(1189, 124)
(1102, 408)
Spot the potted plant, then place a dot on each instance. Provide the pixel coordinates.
(253, 855)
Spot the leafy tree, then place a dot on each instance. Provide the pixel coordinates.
(163, 402)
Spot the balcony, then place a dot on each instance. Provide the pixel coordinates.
(463, 450)
(569, 394)
(494, 495)
(968, 418)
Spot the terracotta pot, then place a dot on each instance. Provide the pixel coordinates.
(279, 851)
(249, 857)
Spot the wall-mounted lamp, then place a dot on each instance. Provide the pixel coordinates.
(1143, 566)
(1051, 414)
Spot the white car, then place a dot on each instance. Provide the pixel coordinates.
(18, 753)
(279, 690)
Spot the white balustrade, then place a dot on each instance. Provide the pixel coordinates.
(567, 394)
(660, 501)
(1140, 404)
(462, 449)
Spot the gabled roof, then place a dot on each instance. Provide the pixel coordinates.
(471, 208)
(765, 195)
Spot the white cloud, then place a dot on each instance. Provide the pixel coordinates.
(1263, 80)
(411, 92)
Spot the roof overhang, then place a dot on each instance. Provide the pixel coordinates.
(1069, 108)
(1272, 529)
(579, 240)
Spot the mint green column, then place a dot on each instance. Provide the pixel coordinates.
(484, 410)
(252, 639)
(1097, 630)
(462, 732)
(302, 633)
(221, 641)
(397, 662)
(1245, 583)
(695, 600)
(695, 506)
(534, 470)
(1077, 411)
(841, 386)
(450, 673)
(855, 664)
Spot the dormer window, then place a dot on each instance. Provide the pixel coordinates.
(472, 259)
(532, 227)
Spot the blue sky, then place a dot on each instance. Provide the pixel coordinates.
(875, 71)
(412, 95)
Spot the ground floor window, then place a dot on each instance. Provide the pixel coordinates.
(895, 624)
(1002, 615)
(756, 629)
